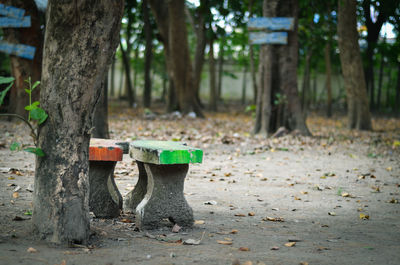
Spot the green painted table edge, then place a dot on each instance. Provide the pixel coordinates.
(165, 152)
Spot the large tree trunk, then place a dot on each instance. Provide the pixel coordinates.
(80, 42)
(278, 74)
(148, 56)
(213, 85)
(288, 59)
(328, 73)
(170, 19)
(22, 68)
(352, 69)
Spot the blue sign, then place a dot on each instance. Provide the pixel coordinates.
(268, 38)
(9, 22)
(271, 23)
(20, 50)
(11, 11)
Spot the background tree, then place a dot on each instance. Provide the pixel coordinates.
(22, 68)
(81, 38)
(357, 101)
(278, 77)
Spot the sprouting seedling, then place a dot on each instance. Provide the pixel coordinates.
(36, 113)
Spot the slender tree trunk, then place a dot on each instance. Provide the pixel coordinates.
(220, 68)
(397, 101)
(306, 83)
(252, 61)
(213, 85)
(388, 87)
(22, 68)
(127, 67)
(244, 85)
(380, 82)
(148, 56)
(350, 58)
(315, 88)
(201, 41)
(100, 118)
(76, 60)
(328, 73)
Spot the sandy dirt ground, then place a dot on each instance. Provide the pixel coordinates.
(328, 199)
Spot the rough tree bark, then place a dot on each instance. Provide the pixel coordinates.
(80, 42)
(148, 55)
(359, 116)
(22, 68)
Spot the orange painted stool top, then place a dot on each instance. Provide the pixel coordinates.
(104, 150)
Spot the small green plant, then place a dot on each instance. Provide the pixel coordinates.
(36, 115)
(280, 99)
(251, 109)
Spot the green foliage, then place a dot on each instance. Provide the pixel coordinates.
(5, 80)
(280, 99)
(36, 113)
(35, 150)
(15, 146)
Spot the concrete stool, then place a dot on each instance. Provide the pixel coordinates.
(158, 193)
(105, 200)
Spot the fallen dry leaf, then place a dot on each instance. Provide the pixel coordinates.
(251, 213)
(273, 219)
(223, 242)
(332, 213)
(248, 263)
(234, 231)
(290, 244)
(345, 194)
(393, 200)
(275, 248)
(126, 220)
(244, 249)
(364, 216)
(199, 222)
(304, 192)
(303, 263)
(15, 195)
(240, 215)
(31, 250)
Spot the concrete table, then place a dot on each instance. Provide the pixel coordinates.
(105, 201)
(158, 194)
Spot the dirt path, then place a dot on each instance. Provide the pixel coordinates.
(254, 195)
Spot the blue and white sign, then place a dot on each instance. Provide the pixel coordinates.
(11, 11)
(9, 22)
(271, 23)
(268, 38)
(20, 50)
